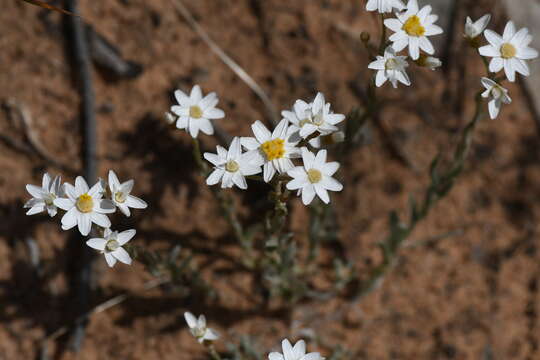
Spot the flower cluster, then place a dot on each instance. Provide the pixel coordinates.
(412, 26)
(84, 206)
(271, 153)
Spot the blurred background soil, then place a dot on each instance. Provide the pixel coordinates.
(466, 284)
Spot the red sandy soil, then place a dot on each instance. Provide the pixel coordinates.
(460, 296)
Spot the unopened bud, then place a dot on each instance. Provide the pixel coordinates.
(364, 36)
(429, 62)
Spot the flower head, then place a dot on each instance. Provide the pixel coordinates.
(429, 62)
(43, 197)
(384, 6)
(84, 206)
(474, 29)
(412, 28)
(390, 67)
(315, 177)
(111, 244)
(296, 352)
(120, 194)
(497, 94)
(307, 119)
(273, 150)
(232, 166)
(509, 51)
(198, 328)
(195, 112)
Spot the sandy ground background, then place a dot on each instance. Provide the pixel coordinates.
(466, 286)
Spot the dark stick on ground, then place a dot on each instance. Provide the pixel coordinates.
(83, 256)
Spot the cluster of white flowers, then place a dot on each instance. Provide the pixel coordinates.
(85, 206)
(270, 152)
(204, 334)
(413, 25)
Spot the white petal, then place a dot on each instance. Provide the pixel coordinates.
(36, 209)
(125, 236)
(97, 243)
(262, 134)
(100, 219)
(414, 47)
(494, 107)
(114, 183)
(509, 31)
(308, 158)
(214, 113)
(84, 223)
(275, 355)
(36, 191)
(393, 24)
(135, 202)
(234, 149)
(209, 101)
(330, 183)
(281, 129)
(63, 203)
(239, 180)
(330, 168)
(489, 51)
(249, 143)
(191, 320)
(496, 64)
(215, 177)
(210, 335)
(104, 206)
(81, 187)
(426, 45)
(196, 94)
(527, 53)
(182, 98)
(380, 78)
(509, 71)
(493, 38)
(308, 193)
(320, 159)
(206, 126)
(287, 350)
(268, 171)
(122, 255)
(299, 349)
(183, 122)
(111, 260)
(321, 193)
(226, 180)
(69, 219)
(297, 183)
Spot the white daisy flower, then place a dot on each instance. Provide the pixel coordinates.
(195, 112)
(474, 29)
(315, 177)
(198, 328)
(111, 244)
(509, 51)
(390, 67)
(43, 197)
(498, 95)
(120, 194)
(231, 167)
(412, 27)
(429, 62)
(273, 150)
(306, 119)
(384, 6)
(296, 352)
(332, 139)
(84, 206)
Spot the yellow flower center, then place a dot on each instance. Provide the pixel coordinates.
(120, 196)
(112, 245)
(314, 176)
(85, 203)
(49, 201)
(305, 121)
(413, 26)
(391, 64)
(508, 51)
(195, 112)
(274, 149)
(232, 166)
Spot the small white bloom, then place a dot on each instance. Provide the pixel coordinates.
(384, 6)
(296, 352)
(509, 51)
(120, 194)
(498, 95)
(84, 206)
(231, 167)
(412, 27)
(170, 118)
(198, 328)
(315, 177)
(474, 29)
(273, 150)
(332, 139)
(390, 67)
(306, 119)
(429, 62)
(195, 112)
(111, 244)
(43, 197)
